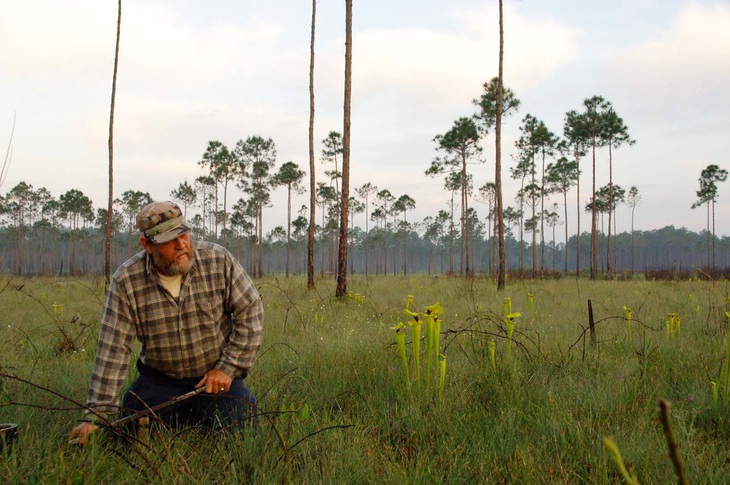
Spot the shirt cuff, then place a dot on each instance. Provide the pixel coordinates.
(230, 369)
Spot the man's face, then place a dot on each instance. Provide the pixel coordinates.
(173, 257)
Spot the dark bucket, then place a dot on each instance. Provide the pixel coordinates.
(8, 436)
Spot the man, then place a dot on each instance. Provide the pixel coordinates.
(199, 319)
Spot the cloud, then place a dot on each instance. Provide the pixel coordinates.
(158, 48)
(167, 50)
(410, 83)
(437, 69)
(680, 71)
(189, 74)
(54, 37)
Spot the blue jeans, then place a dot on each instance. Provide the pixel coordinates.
(151, 387)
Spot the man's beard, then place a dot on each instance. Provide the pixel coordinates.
(173, 268)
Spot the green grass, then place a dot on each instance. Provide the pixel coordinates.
(337, 409)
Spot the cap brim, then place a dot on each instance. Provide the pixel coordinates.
(173, 233)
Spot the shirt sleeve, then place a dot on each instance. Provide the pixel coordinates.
(116, 337)
(247, 316)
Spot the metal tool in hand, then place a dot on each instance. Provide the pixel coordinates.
(148, 411)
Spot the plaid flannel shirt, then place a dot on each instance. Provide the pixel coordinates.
(216, 322)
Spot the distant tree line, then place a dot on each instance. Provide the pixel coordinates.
(43, 235)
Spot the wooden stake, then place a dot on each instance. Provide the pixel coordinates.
(591, 323)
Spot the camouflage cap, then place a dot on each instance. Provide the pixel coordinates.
(161, 222)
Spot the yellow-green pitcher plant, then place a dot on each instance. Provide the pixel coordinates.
(492, 345)
(506, 306)
(430, 318)
(415, 325)
(612, 447)
(673, 324)
(400, 339)
(721, 390)
(433, 334)
(696, 307)
(442, 376)
(726, 369)
(509, 321)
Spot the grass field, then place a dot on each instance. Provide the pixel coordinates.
(336, 407)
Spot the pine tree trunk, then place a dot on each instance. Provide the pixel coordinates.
(342, 257)
(609, 261)
(542, 215)
(498, 157)
(312, 186)
(565, 209)
(288, 229)
(577, 219)
(594, 221)
(110, 201)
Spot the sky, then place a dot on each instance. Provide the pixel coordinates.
(191, 72)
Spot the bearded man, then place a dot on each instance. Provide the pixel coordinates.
(199, 320)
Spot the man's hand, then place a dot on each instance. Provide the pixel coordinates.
(215, 381)
(81, 434)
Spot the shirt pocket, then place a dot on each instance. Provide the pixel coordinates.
(205, 324)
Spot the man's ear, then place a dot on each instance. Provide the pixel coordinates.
(145, 244)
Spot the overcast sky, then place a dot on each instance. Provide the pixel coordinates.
(193, 71)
